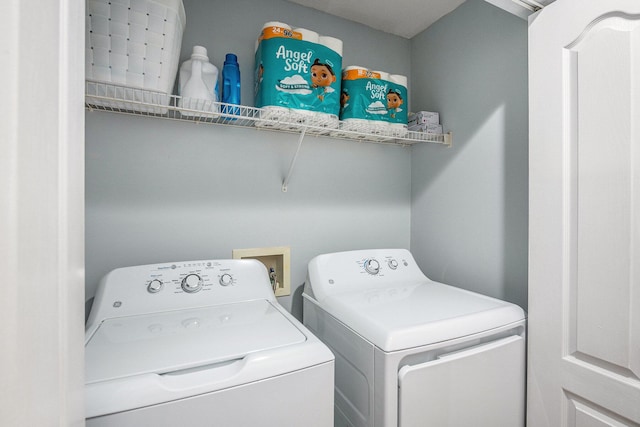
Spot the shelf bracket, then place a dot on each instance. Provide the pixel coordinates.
(285, 183)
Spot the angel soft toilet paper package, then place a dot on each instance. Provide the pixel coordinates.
(295, 73)
(366, 95)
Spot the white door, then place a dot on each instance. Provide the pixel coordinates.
(42, 213)
(584, 230)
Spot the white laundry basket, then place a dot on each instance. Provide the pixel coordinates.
(132, 52)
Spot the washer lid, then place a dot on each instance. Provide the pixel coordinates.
(416, 314)
(177, 340)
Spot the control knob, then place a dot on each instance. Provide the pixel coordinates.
(372, 266)
(393, 264)
(154, 286)
(226, 279)
(191, 283)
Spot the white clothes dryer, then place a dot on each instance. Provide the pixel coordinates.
(201, 343)
(412, 352)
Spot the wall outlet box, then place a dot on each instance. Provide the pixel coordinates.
(278, 262)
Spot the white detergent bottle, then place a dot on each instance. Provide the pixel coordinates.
(198, 85)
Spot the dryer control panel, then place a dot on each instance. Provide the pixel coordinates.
(340, 272)
(179, 285)
(383, 264)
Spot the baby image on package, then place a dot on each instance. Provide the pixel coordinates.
(294, 73)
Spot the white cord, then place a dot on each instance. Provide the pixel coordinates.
(293, 161)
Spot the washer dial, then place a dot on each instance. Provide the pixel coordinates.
(154, 286)
(191, 283)
(393, 264)
(372, 266)
(226, 279)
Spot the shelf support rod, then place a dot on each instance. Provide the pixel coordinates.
(285, 183)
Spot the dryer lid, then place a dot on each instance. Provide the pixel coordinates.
(419, 313)
(183, 339)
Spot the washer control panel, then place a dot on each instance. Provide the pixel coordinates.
(180, 285)
(191, 277)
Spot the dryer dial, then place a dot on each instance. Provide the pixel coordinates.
(372, 266)
(191, 283)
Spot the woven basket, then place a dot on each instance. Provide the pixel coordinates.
(134, 43)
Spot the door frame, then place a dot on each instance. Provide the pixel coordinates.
(42, 212)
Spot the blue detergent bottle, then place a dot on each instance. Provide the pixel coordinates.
(231, 84)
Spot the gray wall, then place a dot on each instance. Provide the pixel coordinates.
(469, 202)
(159, 190)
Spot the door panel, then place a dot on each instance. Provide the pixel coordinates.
(584, 280)
(581, 413)
(481, 386)
(604, 234)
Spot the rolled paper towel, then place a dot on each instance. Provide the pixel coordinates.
(378, 126)
(324, 120)
(356, 125)
(399, 79)
(400, 128)
(273, 29)
(276, 24)
(307, 35)
(302, 116)
(350, 72)
(355, 67)
(271, 115)
(365, 126)
(383, 75)
(354, 71)
(332, 43)
(328, 120)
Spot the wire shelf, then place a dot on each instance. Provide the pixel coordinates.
(141, 102)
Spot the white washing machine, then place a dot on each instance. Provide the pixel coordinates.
(413, 352)
(201, 343)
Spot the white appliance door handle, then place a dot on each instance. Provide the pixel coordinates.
(185, 379)
(462, 354)
(470, 351)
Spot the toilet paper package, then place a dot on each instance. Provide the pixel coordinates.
(293, 70)
(372, 95)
